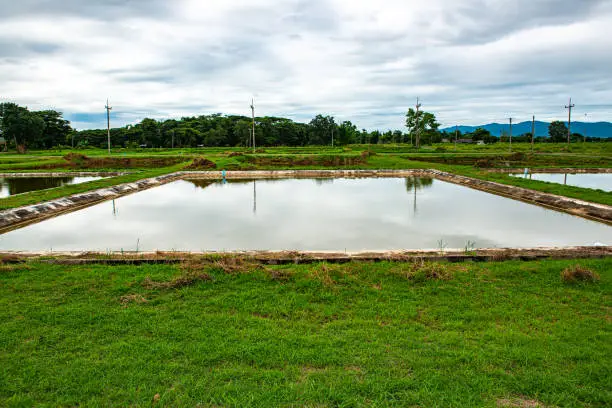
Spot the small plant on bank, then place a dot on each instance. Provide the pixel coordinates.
(577, 273)
(469, 247)
(442, 245)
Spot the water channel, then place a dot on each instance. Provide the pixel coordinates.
(16, 185)
(601, 181)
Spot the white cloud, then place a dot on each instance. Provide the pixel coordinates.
(471, 62)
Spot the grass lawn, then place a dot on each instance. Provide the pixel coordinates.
(359, 334)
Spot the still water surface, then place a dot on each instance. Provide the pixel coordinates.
(602, 181)
(16, 185)
(351, 214)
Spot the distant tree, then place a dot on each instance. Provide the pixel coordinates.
(347, 133)
(55, 131)
(321, 128)
(21, 125)
(557, 131)
(427, 124)
(481, 134)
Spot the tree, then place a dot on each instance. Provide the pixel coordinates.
(21, 125)
(484, 135)
(347, 133)
(427, 124)
(557, 131)
(321, 128)
(56, 129)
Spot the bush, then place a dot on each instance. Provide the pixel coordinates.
(518, 156)
(201, 163)
(577, 273)
(484, 163)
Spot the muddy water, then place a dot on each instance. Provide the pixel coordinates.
(351, 214)
(17, 185)
(601, 181)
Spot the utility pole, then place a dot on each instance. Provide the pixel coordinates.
(585, 128)
(253, 114)
(456, 132)
(532, 131)
(108, 109)
(332, 132)
(569, 120)
(418, 139)
(173, 138)
(510, 134)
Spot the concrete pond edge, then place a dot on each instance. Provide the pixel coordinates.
(19, 217)
(307, 257)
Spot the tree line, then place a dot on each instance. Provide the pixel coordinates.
(22, 128)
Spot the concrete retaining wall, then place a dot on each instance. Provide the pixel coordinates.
(279, 174)
(295, 257)
(555, 171)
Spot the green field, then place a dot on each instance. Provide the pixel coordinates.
(358, 334)
(224, 333)
(469, 160)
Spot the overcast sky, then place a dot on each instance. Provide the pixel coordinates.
(470, 61)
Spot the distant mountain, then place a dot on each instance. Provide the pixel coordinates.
(591, 129)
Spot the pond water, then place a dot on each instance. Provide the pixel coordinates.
(602, 181)
(306, 214)
(16, 185)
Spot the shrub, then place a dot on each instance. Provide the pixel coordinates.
(518, 156)
(484, 163)
(577, 273)
(201, 163)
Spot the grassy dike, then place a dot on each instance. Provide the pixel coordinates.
(359, 334)
(389, 157)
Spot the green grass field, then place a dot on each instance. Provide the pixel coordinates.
(465, 160)
(359, 334)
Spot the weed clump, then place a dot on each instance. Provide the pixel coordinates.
(81, 161)
(485, 163)
(11, 259)
(280, 275)
(234, 265)
(420, 271)
(577, 273)
(431, 271)
(190, 276)
(518, 156)
(200, 163)
(135, 298)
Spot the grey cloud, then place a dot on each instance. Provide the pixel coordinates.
(483, 21)
(370, 76)
(14, 49)
(101, 9)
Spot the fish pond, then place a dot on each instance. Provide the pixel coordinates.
(16, 185)
(307, 214)
(601, 181)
